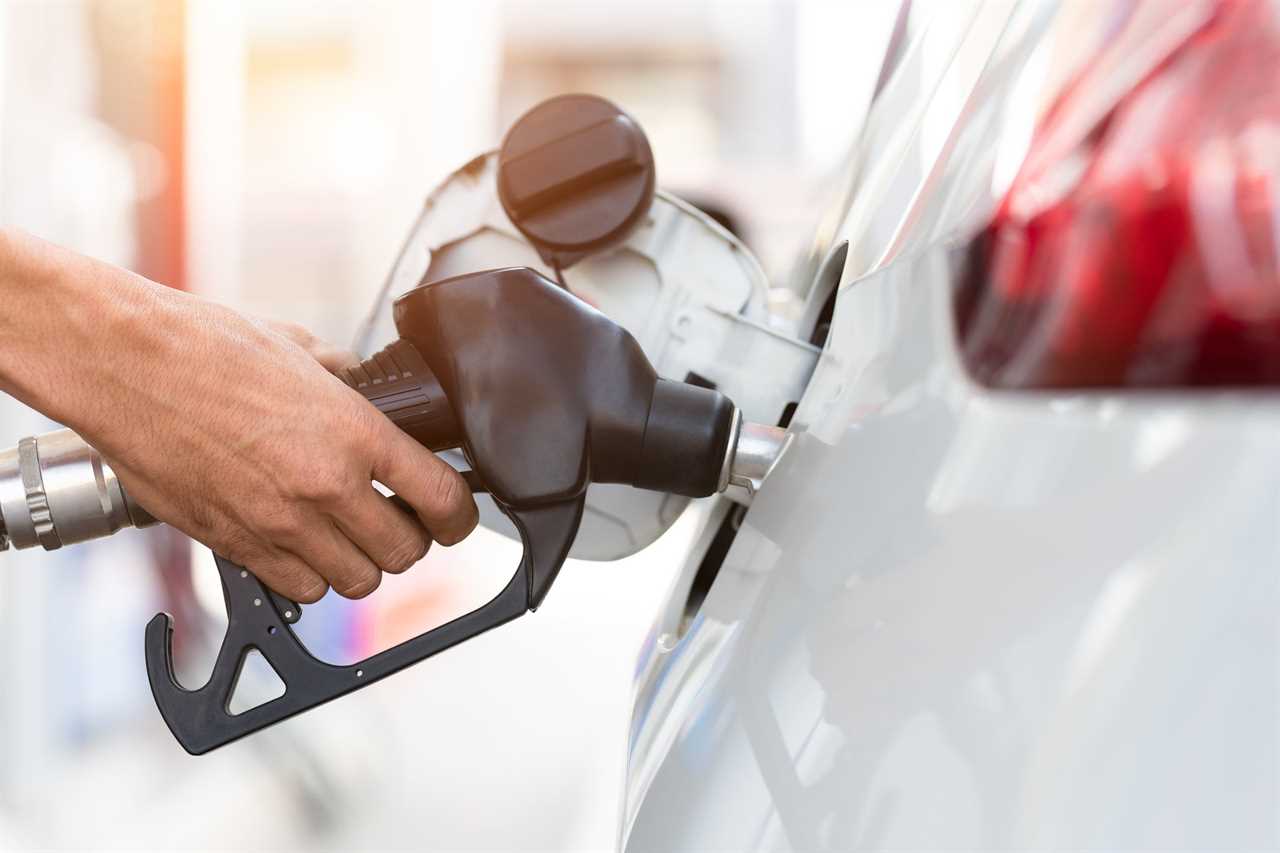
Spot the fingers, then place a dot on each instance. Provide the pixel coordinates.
(437, 492)
(347, 568)
(391, 538)
(350, 554)
(276, 567)
(331, 357)
(289, 576)
(326, 557)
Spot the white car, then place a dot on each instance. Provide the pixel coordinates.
(1013, 583)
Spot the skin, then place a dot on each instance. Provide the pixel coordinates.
(230, 429)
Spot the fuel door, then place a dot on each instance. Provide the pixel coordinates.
(572, 194)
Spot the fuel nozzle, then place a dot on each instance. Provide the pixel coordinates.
(544, 393)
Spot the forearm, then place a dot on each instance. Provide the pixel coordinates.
(74, 331)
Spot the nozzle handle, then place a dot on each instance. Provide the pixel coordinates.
(201, 719)
(399, 383)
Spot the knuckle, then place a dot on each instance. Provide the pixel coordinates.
(450, 537)
(328, 487)
(301, 334)
(236, 547)
(295, 332)
(286, 577)
(448, 489)
(365, 423)
(462, 514)
(360, 587)
(301, 585)
(280, 523)
(311, 592)
(201, 518)
(405, 552)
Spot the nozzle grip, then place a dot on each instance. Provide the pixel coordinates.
(398, 381)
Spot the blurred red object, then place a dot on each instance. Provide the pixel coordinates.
(1137, 246)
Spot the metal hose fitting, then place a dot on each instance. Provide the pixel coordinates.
(56, 490)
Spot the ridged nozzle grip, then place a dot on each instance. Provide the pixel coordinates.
(400, 384)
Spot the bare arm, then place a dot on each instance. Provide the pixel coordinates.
(231, 430)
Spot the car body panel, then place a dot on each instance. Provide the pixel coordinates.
(962, 619)
(959, 618)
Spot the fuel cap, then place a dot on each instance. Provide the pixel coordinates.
(575, 175)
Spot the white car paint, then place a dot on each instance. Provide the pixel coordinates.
(960, 619)
(957, 618)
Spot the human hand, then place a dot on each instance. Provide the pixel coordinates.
(234, 432)
(331, 356)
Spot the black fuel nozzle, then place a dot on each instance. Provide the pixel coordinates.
(544, 395)
(400, 384)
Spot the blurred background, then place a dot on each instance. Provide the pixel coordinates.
(272, 155)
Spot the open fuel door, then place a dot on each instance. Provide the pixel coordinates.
(572, 193)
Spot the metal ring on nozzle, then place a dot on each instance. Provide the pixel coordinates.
(56, 490)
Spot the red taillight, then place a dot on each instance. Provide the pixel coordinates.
(1144, 251)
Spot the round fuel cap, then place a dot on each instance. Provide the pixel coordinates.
(575, 175)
